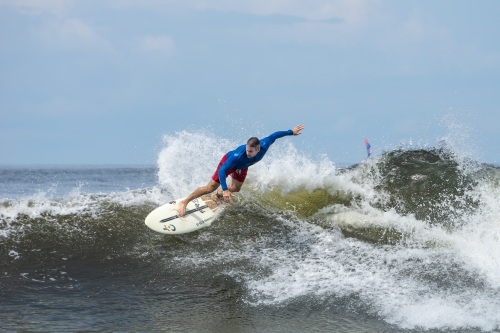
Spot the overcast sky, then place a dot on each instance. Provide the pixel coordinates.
(100, 82)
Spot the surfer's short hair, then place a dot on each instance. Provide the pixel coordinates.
(253, 142)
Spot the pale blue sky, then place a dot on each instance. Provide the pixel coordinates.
(100, 82)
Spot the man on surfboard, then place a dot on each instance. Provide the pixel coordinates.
(236, 163)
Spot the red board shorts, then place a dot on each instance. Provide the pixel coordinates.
(236, 174)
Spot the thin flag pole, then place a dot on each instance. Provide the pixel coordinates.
(368, 148)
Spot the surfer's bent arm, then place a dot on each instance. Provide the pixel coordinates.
(228, 165)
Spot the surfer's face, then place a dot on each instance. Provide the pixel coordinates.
(252, 151)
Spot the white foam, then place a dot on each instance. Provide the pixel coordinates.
(44, 204)
(381, 277)
(38, 204)
(478, 240)
(188, 160)
(285, 167)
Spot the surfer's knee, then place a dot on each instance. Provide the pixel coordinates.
(235, 186)
(234, 189)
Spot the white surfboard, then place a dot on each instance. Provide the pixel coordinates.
(200, 213)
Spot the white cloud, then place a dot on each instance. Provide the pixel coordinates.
(37, 7)
(342, 23)
(57, 29)
(70, 33)
(352, 11)
(158, 44)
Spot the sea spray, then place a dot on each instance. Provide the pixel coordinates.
(188, 160)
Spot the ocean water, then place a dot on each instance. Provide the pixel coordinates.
(407, 241)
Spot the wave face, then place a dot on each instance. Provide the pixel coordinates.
(407, 240)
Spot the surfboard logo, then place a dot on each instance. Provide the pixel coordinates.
(204, 221)
(198, 207)
(169, 227)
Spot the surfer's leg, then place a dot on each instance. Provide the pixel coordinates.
(210, 187)
(238, 177)
(235, 185)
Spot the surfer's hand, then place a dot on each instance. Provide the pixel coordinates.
(296, 130)
(227, 195)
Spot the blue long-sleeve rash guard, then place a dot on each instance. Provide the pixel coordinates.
(237, 159)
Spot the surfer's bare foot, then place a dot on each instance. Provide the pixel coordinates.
(181, 207)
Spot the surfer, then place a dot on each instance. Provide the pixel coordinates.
(236, 163)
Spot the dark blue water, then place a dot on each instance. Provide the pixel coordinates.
(18, 181)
